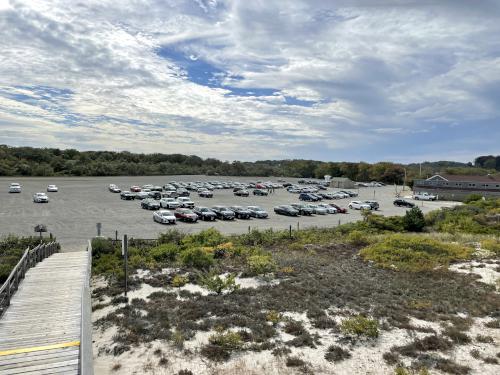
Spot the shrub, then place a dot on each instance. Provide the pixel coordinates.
(208, 237)
(294, 362)
(357, 238)
(196, 257)
(179, 281)
(414, 220)
(217, 284)
(485, 339)
(413, 253)
(293, 327)
(220, 345)
(260, 264)
(336, 353)
(472, 198)
(173, 236)
(456, 335)
(273, 316)
(101, 246)
(493, 323)
(491, 245)
(360, 325)
(166, 252)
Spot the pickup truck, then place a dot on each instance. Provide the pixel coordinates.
(424, 197)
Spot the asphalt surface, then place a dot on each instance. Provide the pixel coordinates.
(72, 213)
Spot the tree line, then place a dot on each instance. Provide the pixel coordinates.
(29, 161)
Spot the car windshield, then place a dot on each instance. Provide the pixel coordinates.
(255, 208)
(165, 213)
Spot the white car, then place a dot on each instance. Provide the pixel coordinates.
(329, 209)
(40, 198)
(340, 195)
(164, 217)
(317, 209)
(424, 197)
(358, 205)
(14, 188)
(52, 189)
(112, 188)
(169, 203)
(185, 202)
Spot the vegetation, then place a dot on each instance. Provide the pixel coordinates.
(28, 161)
(361, 326)
(12, 249)
(414, 220)
(218, 284)
(414, 253)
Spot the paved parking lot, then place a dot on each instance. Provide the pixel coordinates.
(81, 202)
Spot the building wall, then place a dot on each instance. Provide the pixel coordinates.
(457, 190)
(344, 183)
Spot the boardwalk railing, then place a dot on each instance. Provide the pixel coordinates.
(86, 355)
(29, 259)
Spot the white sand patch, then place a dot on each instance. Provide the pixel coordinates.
(254, 282)
(487, 271)
(194, 288)
(143, 292)
(141, 274)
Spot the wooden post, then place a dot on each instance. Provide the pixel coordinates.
(290, 230)
(99, 226)
(116, 236)
(125, 259)
(298, 226)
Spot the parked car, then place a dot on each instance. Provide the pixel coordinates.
(181, 192)
(317, 209)
(185, 214)
(135, 189)
(112, 188)
(373, 204)
(142, 195)
(286, 210)
(358, 205)
(147, 186)
(242, 193)
(257, 212)
(169, 203)
(223, 213)
(150, 204)
(40, 198)
(185, 202)
(52, 189)
(157, 188)
(339, 209)
(164, 217)
(127, 195)
(206, 194)
(260, 192)
(303, 209)
(329, 209)
(326, 195)
(308, 197)
(403, 203)
(241, 212)
(338, 195)
(169, 194)
(349, 193)
(205, 213)
(424, 197)
(14, 188)
(317, 196)
(154, 194)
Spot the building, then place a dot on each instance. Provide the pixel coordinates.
(457, 187)
(341, 183)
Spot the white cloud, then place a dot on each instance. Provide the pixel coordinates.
(372, 68)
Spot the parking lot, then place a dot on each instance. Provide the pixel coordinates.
(72, 213)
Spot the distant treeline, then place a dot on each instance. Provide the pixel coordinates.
(29, 161)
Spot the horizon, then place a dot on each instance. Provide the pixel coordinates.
(370, 81)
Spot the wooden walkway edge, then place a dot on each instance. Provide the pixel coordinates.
(41, 330)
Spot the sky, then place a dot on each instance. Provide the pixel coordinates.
(370, 80)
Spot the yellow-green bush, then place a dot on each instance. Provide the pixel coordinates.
(414, 253)
(357, 238)
(260, 264)
(179, 281)
(360, 325)
(196, 257)
(491, 245)
(273, 316)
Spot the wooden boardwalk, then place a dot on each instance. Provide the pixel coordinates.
(40, 332)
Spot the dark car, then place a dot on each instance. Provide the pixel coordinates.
(241, 212)
(373, 204)
(205, 213)
(286, 210)
(321, 187)
(127, 195)
(242, 193)
(185, 214)
(317, 196)
(157, 188)
(150, 204)
(257, 212)
(287, 184)
(223, 213)
(349, 193)
(155, 194)
(403, 203)
(181, 192)
(260, 192)
(326, 195)
(206, 194)
(303, 209)
(308, 197)
(339, 209)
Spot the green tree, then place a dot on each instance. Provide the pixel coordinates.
(414, 220)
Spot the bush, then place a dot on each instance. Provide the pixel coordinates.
(260, 264)
(472, 198)
(336, 353)
(414, 220)
(361, 326)
(357, 238)
(196, 257)
(166, 252)
(208, 237)
(101, 246)
(173, 236)
(217, 284)
(413, 253)
(220, 345)
(491, 245)
(294, 362)
(179, 281)
(273, 316)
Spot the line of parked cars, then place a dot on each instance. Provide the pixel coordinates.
(37, 197)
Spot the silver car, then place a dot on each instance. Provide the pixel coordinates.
(164, 217)
(169, 203)
(317, 209)
(257, 212)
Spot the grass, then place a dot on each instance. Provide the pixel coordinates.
(361, 326)
(413, 253)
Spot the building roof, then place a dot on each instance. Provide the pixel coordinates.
(461, 177)
(340, 179)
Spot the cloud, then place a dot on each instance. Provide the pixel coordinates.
(252, 79)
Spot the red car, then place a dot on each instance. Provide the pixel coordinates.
(340, 210)
(135, 189)
(185, 214)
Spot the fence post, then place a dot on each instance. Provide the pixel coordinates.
(125, 259)
(99, 226)
(298, 226)
(249, 229)
(290, 230)
(339, 222)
